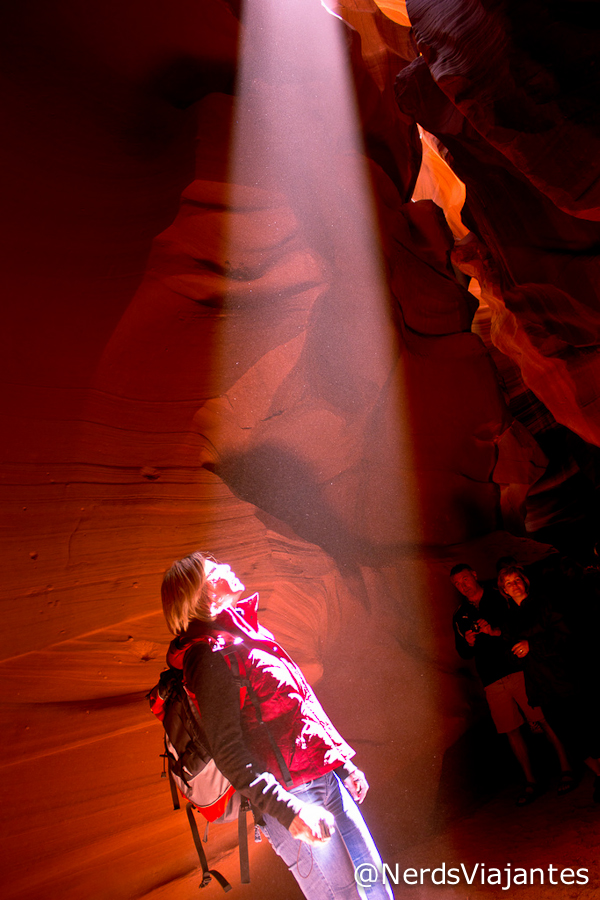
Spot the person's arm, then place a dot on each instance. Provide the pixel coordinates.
(354, 780)
(486, 628)
(464, 636)
(210, 679)
(549, 635)
(494, 615)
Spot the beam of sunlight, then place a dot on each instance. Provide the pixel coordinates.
(298, 146)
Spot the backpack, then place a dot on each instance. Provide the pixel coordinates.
(192, 770)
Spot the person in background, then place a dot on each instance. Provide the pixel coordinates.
(315, 825)
(554, 677)
(478, 632)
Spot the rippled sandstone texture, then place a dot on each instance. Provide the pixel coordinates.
(510, 91)
(226, 372)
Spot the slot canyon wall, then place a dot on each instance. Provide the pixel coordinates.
(215, 342)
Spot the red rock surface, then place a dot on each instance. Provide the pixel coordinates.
(524, 75)
(250, 360)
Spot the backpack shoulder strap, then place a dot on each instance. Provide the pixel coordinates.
(239, 673)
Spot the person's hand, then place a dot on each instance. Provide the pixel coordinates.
(313, 825)
(484, 626)
(521, 649)
(357, 785)
(470, 636)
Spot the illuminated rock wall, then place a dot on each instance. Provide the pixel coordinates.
(511, 94)
(224, 372)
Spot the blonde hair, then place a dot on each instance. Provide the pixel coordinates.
(183, 592)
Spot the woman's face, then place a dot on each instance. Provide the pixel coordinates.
(223, 587)
(515, 587)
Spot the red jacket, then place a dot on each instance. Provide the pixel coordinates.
(309, 743)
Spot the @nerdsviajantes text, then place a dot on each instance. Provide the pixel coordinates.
(506, 877)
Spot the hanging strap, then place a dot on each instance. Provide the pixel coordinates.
(172, 785)
(206, 872)
(174, 791)
(243, 841)
(243, 680)
(195, 723)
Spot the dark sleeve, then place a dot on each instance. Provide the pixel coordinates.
(344, 771)
(495, 611)
(209, 677)
(513, 628)
(462, 647)
(548, 634)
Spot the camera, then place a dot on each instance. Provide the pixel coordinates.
(467, 624)
(325, 830)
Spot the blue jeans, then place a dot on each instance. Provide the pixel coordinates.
(327, 872)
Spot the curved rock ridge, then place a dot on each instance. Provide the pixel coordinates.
(526, 78)
(543, 261)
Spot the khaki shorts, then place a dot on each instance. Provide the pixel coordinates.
(507, 699)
